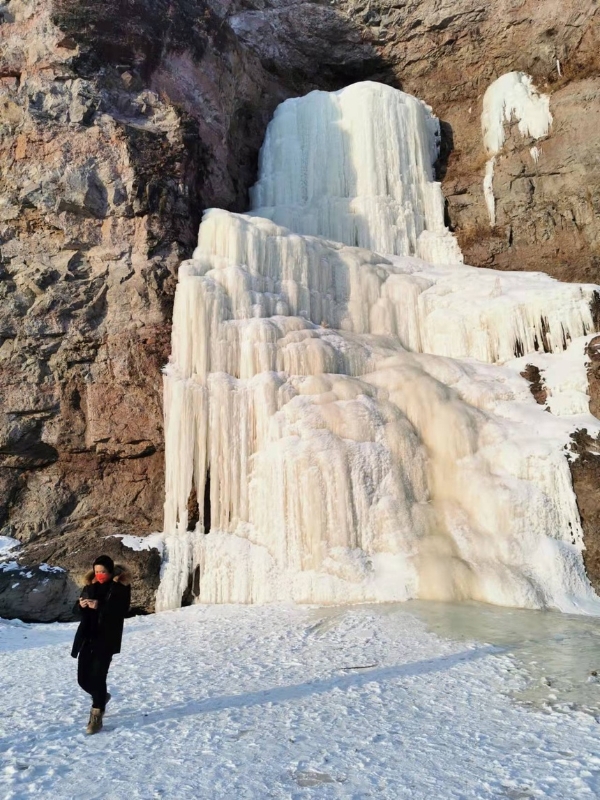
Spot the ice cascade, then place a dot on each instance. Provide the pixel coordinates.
(356, 166)
(344, 426)
(512, 95)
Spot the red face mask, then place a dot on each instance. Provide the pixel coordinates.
(102, 577)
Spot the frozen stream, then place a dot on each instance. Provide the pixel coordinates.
(556, 655)
(559, 653)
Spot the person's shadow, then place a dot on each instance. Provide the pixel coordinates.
(284, 694)
(134, 720)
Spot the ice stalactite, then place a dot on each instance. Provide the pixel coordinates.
(353, 455)
(512, 96)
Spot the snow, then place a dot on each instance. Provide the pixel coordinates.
(363, 438)
(7, 544)
(511, 96)
(12, 566)
(535, 153)
(564, 376)
(7, 548)
(356, 166)
(142, 542)
(286, 703)
(50, 568)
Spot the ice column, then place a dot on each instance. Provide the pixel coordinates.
(356, 166)
(512, 96)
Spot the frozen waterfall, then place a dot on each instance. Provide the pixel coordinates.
(356, 418)
(356, 166)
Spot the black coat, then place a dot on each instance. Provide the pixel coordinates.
(103, 626)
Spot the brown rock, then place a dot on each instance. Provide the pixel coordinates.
(585, 471)
(115, 138)
(532, 374)
(39, 594)
(592, 351)
(448, 53)
(47, 594)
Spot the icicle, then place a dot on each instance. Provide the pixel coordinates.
(488, 189)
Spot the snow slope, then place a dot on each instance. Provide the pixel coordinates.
(234, 703)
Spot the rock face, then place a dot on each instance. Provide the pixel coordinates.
(448, 53)
(40, 593)
(585, 471)
(120, 123)
(35, 594)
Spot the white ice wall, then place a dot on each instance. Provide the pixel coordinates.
(356, 166)
(353, 456)
(262, 287)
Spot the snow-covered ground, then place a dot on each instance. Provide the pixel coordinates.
(286, 702)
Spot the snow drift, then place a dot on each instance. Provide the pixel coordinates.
(348, 413)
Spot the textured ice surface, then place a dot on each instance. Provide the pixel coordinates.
(362, 438)
(557, 652)
(356, 166)
(564, 377)
(511, 97)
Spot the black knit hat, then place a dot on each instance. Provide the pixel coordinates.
(106, 562)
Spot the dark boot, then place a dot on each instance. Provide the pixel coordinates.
(95, 723)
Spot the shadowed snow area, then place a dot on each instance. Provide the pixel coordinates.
(288, 702)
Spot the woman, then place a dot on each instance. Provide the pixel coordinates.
(103, 604)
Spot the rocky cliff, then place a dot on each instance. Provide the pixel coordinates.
(121, 122)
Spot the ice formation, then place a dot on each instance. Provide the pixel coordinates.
(564, 378)
(348, 412)
(356, 166)
(511, 96)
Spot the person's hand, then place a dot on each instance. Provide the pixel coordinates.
(83, 602)
(92, 603)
